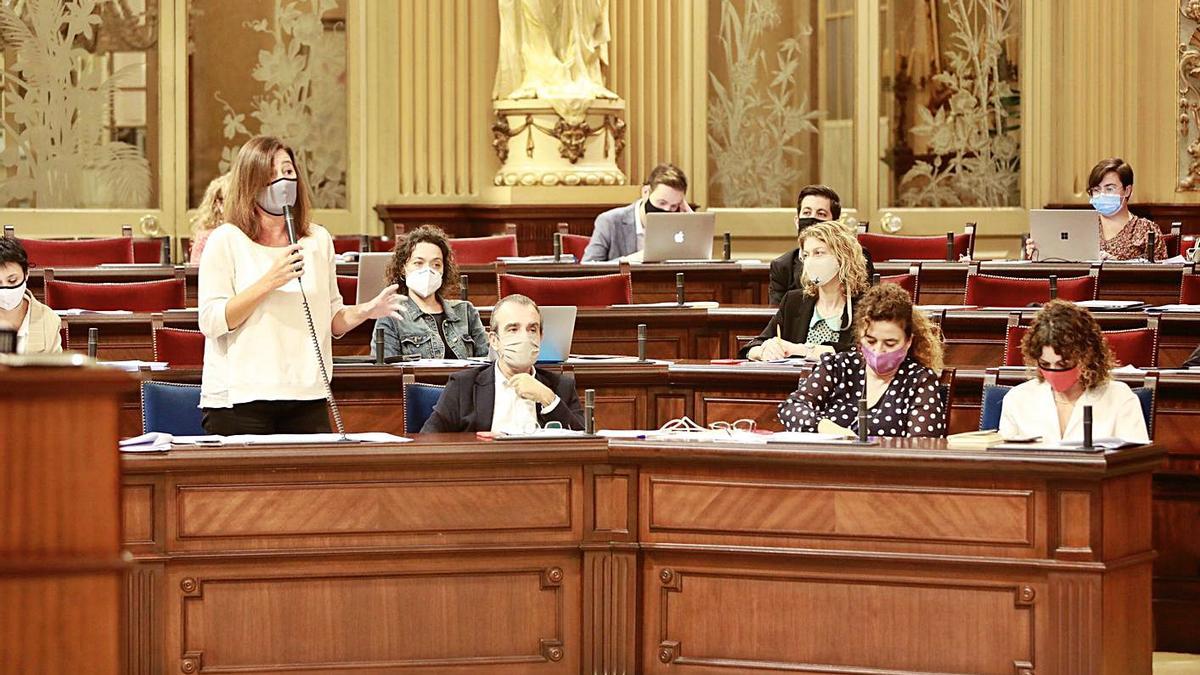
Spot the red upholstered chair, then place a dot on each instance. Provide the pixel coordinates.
(348, 287)
(152, 250)
(597, 291)
(986, 290)
(178, 347)
(483, 250)
(382, 244)
(1136, 347)
(141, 296)
(78, 252)
(1189, 289)
(910, 282)
(575, 244)
(885, 247)
(347, 243)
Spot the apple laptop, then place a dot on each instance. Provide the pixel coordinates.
(1065, 234)
(372, 275)
(674, 237)
(558, 331)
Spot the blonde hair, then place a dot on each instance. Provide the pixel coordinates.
(252, 171)
(852, 265)
(889, 302)
(211, 211)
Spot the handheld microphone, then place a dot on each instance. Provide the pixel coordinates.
(291, 224)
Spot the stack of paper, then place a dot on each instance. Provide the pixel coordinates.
(134, 366)
(151, 442)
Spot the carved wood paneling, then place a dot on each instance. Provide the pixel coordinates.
(137, 514)
(143, 620)
(972, 626)
(479, 621)
(610, 627)
(1074, 524)
(1075, 607)
(997, 517)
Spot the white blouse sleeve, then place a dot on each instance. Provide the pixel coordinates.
(216, 285)
(1126, 409)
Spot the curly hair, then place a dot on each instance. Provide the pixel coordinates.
(211, 212)
(1072, 332)
(852, 266)
(889, 302)
(427, 234)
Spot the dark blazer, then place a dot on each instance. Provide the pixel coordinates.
(793, 316)
(786, 271)
(1193, 361)
(470, 396)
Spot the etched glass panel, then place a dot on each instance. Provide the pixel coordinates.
(781, 100)
(951, 101)
(79, 110)
(275, 67)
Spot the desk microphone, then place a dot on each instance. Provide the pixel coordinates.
(679, 289)
(728, 253)
(1053, 286)
(641, 342)
(1151, 242)
(290, 221)
(862, 420)
(558, 247)
(462, 287)
(589, 411)
(949, 247)
(93, 341)
(1087, 427)
(378, 345)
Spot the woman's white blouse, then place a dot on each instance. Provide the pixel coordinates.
(270, 357)
(1029, 410)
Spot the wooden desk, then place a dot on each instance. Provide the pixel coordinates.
(60, 521)
(450, 555)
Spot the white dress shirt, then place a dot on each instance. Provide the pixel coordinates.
(512, 414)
(1029, 410)
(23, 330)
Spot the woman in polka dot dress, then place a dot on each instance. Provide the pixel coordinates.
(895, 369)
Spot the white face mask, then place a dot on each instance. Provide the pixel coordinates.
(279, 193)
(520, 352)
(821, 269)
(424, 282)
(11, 297)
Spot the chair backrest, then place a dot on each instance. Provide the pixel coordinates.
(78, 252)
(172, 408)
(1189, 289)
(348, 287)
(575, 244)
(1147, 397)
(348, 243)
(909, 282)
(597, 291)
(993, 403)
(178, 347)
(986, 290)
(419, 400)
(152, 250)
(483, 250)
(382, 244)
(885, 247)
(1137, 347)
(140, 296)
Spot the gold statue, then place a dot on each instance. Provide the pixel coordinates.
(556, 50)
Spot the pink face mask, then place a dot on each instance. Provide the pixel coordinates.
(1060, 380)
(884, 363)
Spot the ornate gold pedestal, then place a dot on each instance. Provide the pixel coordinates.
(538, 147)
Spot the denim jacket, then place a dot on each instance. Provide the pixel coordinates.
(414, 333)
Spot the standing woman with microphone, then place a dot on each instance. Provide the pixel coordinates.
(262, 372)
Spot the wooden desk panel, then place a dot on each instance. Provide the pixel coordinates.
(451, 555)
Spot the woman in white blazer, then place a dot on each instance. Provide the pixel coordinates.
(1073, 364)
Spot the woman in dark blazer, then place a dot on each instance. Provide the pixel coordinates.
(818, 317)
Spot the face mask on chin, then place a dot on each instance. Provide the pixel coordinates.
(11, 296)
(277, 194)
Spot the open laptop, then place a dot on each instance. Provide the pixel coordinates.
(679, 236)
(372, 275)
(1065, 234)
(558, 331)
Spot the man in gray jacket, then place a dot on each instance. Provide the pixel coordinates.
(620, 232)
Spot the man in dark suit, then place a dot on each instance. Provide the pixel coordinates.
(815, 204)
(512, 395)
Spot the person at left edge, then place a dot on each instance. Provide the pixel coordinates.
(512, 395)
(261, 373)
(37, 325)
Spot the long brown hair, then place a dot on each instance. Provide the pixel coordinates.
(252, 171)
(1072, 332)
(889, 302)
(428, 234)
(852, 265)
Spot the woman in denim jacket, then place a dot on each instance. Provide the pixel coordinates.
(430, 325)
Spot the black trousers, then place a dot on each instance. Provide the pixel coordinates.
(268, 417)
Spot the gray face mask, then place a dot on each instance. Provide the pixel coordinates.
(279, 193)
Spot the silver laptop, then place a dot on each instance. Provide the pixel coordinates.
(372, 275)
(1065, 234)
(679, 236)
